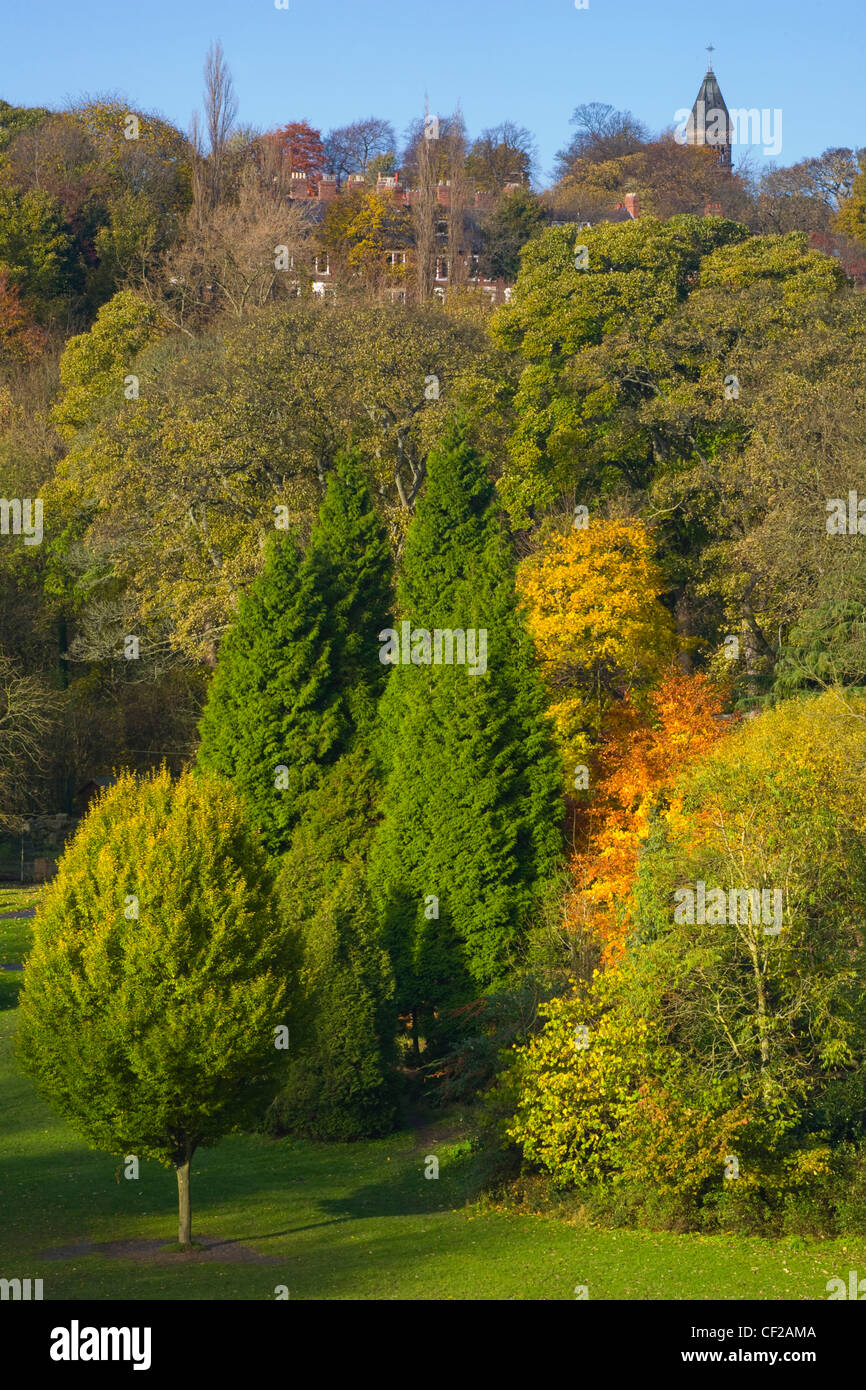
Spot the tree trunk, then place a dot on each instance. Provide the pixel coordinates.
(184, 1209)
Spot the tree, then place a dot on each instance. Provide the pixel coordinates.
(601, 133)
(599, 629)
(805, 196)
(160, 970)
(851, 217)
(643, 753)
(28, 710)
(361, 229)
(249, 252)
(471, 815)
(14, 119)
(220, 110)
(351, 558)
(34, 248)
(227, 426)
(771, 998)
(516, 218)
(21, 340)
(502, 154)
(602, 403)
(339, 1084)
(349, 149)
(273, 716)
(300, 144)
(95, 365)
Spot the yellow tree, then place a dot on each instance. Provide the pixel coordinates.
(599, 628)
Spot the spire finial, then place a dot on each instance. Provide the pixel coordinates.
(711, 50)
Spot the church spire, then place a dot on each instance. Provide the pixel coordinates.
(710, 122)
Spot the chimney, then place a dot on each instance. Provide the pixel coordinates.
(631, 203)
(443, 194)
(327, 188)
(713, 210)
(357, 181)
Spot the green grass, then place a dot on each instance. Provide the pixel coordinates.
(346, 1221)
(16, 935)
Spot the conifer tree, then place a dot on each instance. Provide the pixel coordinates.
(340, 1085)
(162, 970)
(471, 811)
(298, 671)
(350, 553)
(274, 715)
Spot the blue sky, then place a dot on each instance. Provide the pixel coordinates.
(531, 61)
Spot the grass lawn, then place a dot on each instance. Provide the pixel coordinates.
(16, 934)
(342, 1221)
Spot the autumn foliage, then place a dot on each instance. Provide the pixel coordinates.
(598, 627)
(21, 340)
(640, 756)
(302, 145)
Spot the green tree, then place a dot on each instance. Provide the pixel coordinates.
(273, 715)
(34, 247)
(160, 970)
(851, 217)
(471, 812)
(179, 486)
(516, 218)
(95, 364)
(350, 555)
(772, 998)
(339, 1086)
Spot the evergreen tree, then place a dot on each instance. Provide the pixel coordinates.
(471, 826)
(299, 670)
(161, 970)
(274, 715)
(350, 553)
(340, 1085)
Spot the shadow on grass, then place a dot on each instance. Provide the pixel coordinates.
(407, 1192)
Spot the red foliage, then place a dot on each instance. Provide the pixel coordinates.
(302, 145)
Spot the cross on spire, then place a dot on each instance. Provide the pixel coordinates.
(711, 50)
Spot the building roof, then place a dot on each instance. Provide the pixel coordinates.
(710, 120)
(711, 96)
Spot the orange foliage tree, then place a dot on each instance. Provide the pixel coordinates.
(640, 756)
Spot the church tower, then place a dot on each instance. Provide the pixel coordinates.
(710, 121)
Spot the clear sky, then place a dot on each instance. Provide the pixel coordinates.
(530, 61)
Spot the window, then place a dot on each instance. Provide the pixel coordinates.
(398, 296)
(441, 228)
(395, 258)
(441, 268)
(322, 264)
